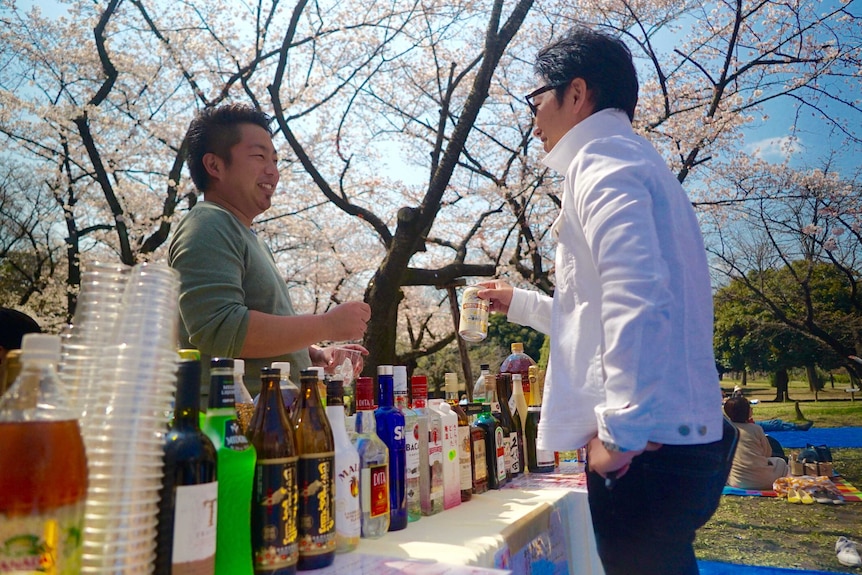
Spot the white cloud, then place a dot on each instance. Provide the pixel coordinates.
(775, 150)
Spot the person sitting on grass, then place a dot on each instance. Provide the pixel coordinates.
(777, 424)
(756, 465)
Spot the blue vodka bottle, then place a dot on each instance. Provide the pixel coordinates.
(390, 428)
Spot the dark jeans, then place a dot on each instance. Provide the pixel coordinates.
(646, 524)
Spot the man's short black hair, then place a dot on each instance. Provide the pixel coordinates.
(738, 409)
(13, 326)
(216, 130)
(604, 63)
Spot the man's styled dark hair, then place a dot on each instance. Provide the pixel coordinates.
(604, 62)
(738, 409)
(13, 326)
(216, 130)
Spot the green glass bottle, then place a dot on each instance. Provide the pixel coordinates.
(236, 461)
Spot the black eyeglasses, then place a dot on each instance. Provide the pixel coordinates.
(529, 97)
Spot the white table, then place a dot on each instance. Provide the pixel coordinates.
(543, 520)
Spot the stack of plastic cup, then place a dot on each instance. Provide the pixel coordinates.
(96, 315)
(125, 424)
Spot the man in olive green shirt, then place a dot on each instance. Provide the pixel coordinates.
(233, 300)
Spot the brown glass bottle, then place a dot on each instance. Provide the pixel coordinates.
(274, 496)
(465, 452)
(316, 473)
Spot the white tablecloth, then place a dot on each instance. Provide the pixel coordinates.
(539, 525)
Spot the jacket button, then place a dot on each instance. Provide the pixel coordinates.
(684, 430)
(701, 430)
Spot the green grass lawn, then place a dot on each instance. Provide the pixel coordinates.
(771, 531)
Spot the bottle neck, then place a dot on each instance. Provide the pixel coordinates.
(270, 395)
(366, 423)
(309, 396)
(386, 398)
(221, 389)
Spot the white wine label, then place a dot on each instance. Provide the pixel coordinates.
(195, 528)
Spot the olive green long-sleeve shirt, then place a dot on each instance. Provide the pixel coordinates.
(226, 271)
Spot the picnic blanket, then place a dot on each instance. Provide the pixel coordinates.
(831, 436)
(720, 568)
(848, 491)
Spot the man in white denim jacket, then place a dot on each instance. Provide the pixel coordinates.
(631, 373)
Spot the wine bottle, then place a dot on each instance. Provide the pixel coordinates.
(478, 459)
(235, 458)
(347, 513)
(514, 443)
(519, 362)
(495, 447)
(390, 428)
(538, 460)
(373, 464)
(465, 452)
(411, 443)
(186, 534)
(274, 498)
(316, 476)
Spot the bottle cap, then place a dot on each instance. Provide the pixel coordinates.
(518, 347)
(364, 394)
(399, 376)
(191, 354)
(270, 372)
(238, 367)
(310, 372)
(284, 366)
(335, 392)
(217, 362)
(44, 346)
(484, 367)
(420, 386)
(384, 370)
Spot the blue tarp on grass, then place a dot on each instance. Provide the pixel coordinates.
(718, 568)
(831, 436)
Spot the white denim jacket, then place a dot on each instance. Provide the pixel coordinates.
(631, 319)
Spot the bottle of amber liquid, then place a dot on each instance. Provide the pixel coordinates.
(511, 426)
(186, 534)
(316, 476)
(274, 495)
(479, 462)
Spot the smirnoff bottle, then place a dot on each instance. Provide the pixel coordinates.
(390, 428)
(347, 512)
(411, 443)
(373, 464)
(431, 456)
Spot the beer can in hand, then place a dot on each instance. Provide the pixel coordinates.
(474, 316)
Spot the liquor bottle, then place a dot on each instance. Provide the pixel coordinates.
(538, 460)
(186, 534)
(465, 452)
(289, 390)
(451, 463)
(373, 464)
(479, 387)
(315, 476)
(43, 482)
(235, 458)
(347, 513)
(515, 444)
(495, 448)
(478, 458)
(535, 396)
(517, 401)
(519, 362)
(274, 497)
(430, 448)
(411, 443)
(390, 428)
(243, 399)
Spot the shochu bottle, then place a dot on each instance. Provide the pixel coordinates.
(274, 538)
(316, 447)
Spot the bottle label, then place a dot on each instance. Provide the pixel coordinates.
(465, 455)
(273, 514)
(411, 446)
(233, 436)
(347, 523)
(500, 444)
(544, 458)
(43, 543)
(222, 393)
(480, 465)
(316, 503)
(194, 543)
(375, 490)
(514, 453)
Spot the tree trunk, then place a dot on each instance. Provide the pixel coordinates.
(781, 382)
(813, 380)
(744, 381)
